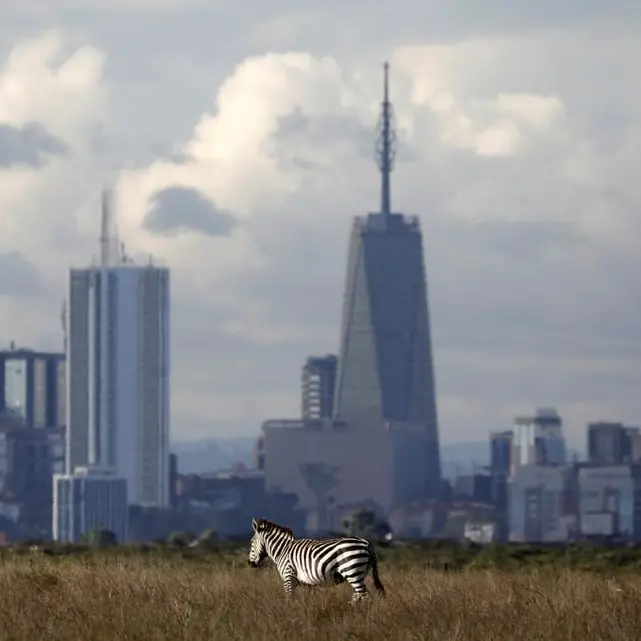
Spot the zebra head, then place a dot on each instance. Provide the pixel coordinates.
(258, 548)
(268, 540)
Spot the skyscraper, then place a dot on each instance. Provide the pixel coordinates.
(118, 371)
(385, 371)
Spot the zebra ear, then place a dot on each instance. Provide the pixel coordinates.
(254, 525)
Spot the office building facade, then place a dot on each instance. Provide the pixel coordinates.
(606, 501)
(318, 381)
(118, 359)
(385, 367)
(33, 387)
(611, 443)
(118, 390)
(29, 457)
(538, 440)
(89, 499)
(381, 444)
(535, 499)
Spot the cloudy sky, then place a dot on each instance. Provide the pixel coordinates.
(241, 138)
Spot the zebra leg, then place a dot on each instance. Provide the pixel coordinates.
(360, 589)
(290, 582)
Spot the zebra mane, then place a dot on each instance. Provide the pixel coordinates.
(263, 525)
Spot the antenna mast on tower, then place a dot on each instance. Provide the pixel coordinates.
(63, 322)
(110, 250)
(386, 145)
(105, 229)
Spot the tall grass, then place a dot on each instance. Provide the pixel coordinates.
(130, 599)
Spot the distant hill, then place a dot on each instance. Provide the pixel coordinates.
(460, 458)
(209, 455)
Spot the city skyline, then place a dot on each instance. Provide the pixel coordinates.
(520, 167)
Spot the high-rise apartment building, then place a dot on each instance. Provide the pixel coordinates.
(33, 387)
(318, 382)
(119, 368)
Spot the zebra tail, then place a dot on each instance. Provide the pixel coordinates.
(378, 584)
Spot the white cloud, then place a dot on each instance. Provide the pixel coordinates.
(261, 278)
(49, 81)
(536, 112)
(232, 159)
(46, 81)
(527, 195)
(45, 7)
(443, 78)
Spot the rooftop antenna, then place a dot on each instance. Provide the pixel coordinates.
(110, 250)
(386, 145)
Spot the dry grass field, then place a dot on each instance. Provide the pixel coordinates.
(135, 599)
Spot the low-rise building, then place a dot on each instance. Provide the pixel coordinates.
(89, 499)
(535, 500)
(606, 501)
(414, 520)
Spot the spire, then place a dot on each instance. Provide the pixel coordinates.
(105, 228)
(109, 243)
(386, 145)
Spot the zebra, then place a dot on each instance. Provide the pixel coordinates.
(315, 562)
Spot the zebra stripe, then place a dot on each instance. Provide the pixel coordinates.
(318, 562)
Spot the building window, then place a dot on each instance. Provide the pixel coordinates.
(15, 387)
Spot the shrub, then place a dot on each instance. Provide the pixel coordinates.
(102, 538)
(180, 540)
(208, 540)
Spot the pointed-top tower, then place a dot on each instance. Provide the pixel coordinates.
(385, 378)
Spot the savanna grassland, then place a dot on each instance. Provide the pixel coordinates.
(109, 595)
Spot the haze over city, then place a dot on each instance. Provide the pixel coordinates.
(240, 139)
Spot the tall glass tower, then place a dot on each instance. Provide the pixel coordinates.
(385, 377)
(118, 374)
